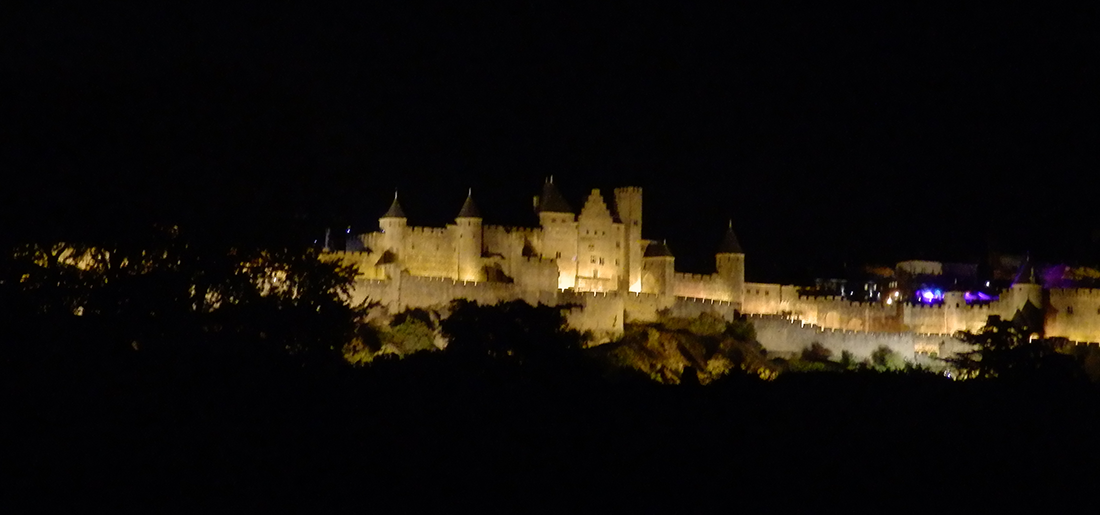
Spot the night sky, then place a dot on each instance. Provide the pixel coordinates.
(828, 137)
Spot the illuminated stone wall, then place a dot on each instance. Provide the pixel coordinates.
(762, 298)
(1073, 314)
(600, 252)
(785, 337)
(430, 252)
(710, 287)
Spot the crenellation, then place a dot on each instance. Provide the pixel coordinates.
(440, 232)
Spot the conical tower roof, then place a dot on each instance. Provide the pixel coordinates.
(395, 210)
(657, 249)
(469, 209)
(729, 244)
(551, 200)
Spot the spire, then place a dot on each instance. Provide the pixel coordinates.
(469, 210)
(551, 200)
(729, 244)
(395, 210)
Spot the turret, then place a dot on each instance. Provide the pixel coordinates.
(559, 233)
(551, 206)
(468, 238)
(393, 224)
(658, 269)
(628, 207)
(730, 261)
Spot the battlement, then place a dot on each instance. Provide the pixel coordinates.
(916, 306)
(801, 324)
(344, 254)
(435, 232)
(838, 300)
(697, 300)
(1077, 293)
(527, 231)
(678, 276)
(567, 294)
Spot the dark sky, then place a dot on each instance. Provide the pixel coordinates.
(827, 136)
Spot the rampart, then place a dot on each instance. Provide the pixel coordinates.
(364, 262)
(787, 337)
(1073, 314)
(763, 298)
(600, 313)
(839, 313)
(430, 251)
(700, 286)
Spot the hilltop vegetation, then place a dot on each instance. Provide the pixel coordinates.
(193, 380)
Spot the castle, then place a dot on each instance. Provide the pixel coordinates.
(598, 261)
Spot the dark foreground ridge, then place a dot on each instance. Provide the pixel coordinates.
(201, 431)
(204, 378)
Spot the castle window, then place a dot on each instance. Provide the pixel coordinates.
(591, 247)
(557, 255)
(765, 293)
(1069, 310)
(618, 245)
(616, 262)
(601, 261)
(593, 260)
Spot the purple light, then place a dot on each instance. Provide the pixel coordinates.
(977, 296)
(929, 295)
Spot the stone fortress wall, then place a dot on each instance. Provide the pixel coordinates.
(598, 261)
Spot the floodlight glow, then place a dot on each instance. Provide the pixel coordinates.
(977, 296)
(929, 295)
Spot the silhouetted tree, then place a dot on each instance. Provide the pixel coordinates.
(816, 353)
(515, 331)
(884, 358)
(158, 287)
(1004, 349)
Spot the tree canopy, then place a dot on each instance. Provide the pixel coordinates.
(164, 287)
(1008, 350)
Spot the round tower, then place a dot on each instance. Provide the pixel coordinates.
(468, 238)
(954, 312)
(1025, 305)
(393, 224)
(730, 262)
(658, 269)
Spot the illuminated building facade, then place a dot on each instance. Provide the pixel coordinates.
(598, 260)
